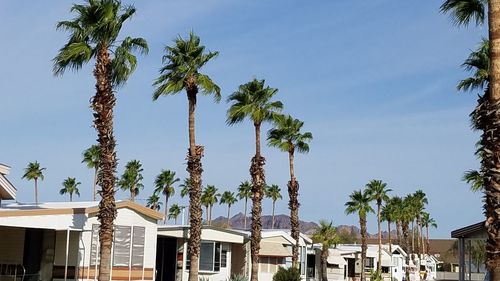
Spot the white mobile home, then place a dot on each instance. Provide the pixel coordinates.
(59, 241)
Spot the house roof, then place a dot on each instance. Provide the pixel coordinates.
(64, 208)
(208, 233)
(271, 249)
(477, 230)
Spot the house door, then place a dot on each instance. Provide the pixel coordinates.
(350, 267)
(166, 258)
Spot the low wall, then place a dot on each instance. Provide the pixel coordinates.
(443, 275)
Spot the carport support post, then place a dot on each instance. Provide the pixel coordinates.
(67, 254)
(461, 259)
(470, 260)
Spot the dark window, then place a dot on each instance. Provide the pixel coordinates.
(223, 258)
(385, 269)
(210, 257)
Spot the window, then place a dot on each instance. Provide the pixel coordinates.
(385, 269)
(210, 257)
(121, 247)
(223, 258)
(395, 261)
(369, 262)
(271, 264)
(302, 260)
(94, 245)
(138, 239)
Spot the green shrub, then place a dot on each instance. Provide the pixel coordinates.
(290, 274)
(238, 277)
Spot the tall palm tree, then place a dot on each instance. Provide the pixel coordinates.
(181, 71)
(154, 202)
(131, 179)
(378, 191)
(245, 192)
(253, 101)
(287, 137)
(397, 207)
(164, 183)
(326, 235)
(387, 214)
(185, 186)
(34, 172)
(70, 186)
(91, 158)
(273, 192)
(428, 222)
(94, 35)
(407, 215)
(420, 202)
(488, 112)
(209, 197)
(174, 212)
(360, 203)
(228, 198)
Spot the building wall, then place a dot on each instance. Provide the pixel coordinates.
(11, 245)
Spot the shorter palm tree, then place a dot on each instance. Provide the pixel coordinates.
(91, 157)
(428, 222)
(164, 184)
(245, 192)
(229, 199)
(326, 235)
(174, 212)
(208, 198)
(274, 193)
(360, 203)
(185, 186)
(154, 202)
(34, 172)
(131, 179)
(70, 186)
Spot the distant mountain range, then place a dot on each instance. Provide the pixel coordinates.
(283, 222)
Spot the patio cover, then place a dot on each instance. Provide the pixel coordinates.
(269, 249)
(336, 260)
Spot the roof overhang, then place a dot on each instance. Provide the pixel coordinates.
(7, 190)
(208, 233)
(473, 231)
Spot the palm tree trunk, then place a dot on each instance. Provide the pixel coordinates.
(210, 215)
(70, 197)
(293, 192)
(398, 231)
(389, 230)
(422, 239)
(412, 237)
(427, 248)
(272, 221)
(245, 219)
(405, 247)
(132, 193)
(362, 224)
(166, 208)
(228, 213)
(175, 220)
(379, 263)
(418, 236)
(194, 169)
(206, 215)
(95, 184)
(36, 191)
(258, 181)
(103, 103)
(324, 258)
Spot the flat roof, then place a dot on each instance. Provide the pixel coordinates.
(476, 230)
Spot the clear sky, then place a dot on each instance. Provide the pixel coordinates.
(374, 82)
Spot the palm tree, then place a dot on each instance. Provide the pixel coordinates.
(70, 186)
(253, 101)
(154, 202)
(420, 201)
(91, 158)
(164, 184)
(287, 137)
(475, 180)
(229, 199)
(487, 112)
(397, 207)
(360, 203)
(245, 192)
(208, 199)
(428, 222)
(174, 212)
(131, 179)
(387, 214)
(185, 186)
(274, 193)
(183, 62)
(34, 172)
(94, 35)
(326, 235)
(378, 191)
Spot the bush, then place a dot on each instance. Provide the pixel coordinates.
(238, 277)
(290, 274)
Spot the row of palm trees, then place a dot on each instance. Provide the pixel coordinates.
(408, 214)
(94, 35)
(485, 65)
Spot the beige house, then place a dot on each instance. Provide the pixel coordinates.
(59, 241)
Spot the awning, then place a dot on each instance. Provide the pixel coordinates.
(334, 259)
(270, 249)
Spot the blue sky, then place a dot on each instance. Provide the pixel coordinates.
(374, 82)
